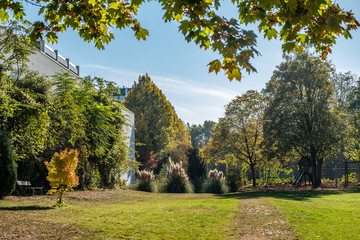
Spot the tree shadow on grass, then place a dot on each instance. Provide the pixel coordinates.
(26, 208)
(297, 195)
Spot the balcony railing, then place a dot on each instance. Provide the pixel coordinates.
(54, 54)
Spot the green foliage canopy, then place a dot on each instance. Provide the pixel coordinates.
(238, 135)
(159, 132)
(300, 117)
(42, 115)
(352, 151)
(8, 172)
(354, 106)
(25, 96)
(87, 117)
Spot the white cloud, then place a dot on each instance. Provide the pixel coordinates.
(108, 70)
(184, 110)
(168, 84)
(198, 114)
(194, 102)
(186, 88)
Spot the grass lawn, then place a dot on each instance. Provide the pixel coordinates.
(317, 214)
(138, 215)
(328, 215)
(119, 215)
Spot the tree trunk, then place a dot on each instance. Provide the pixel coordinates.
(109, 174)
(252, 168)
(60, 198)
(313, 174)
(316, 172)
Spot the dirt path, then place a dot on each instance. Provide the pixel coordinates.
(259, 219)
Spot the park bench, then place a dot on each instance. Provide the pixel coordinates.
(25, 186)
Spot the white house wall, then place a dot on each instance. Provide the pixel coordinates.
(129, 133)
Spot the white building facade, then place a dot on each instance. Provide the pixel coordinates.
(48, 62)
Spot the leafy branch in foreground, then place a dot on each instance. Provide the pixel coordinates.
(316, 23)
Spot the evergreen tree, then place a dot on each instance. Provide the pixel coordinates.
(8, 174)
(196, 168)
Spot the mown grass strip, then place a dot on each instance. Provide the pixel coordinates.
(322, 215)
(126, 214)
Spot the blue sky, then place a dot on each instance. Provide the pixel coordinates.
(180, 69)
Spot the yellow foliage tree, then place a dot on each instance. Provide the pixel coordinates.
(61, 174)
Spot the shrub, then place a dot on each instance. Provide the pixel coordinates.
(145, 181)
(215, 183)
(8, 174)
(327, 180)
(116, 181)
(198, 184)
(92, 179)
(288, 180)
(352, 177)
(177, 181)
(62, 175)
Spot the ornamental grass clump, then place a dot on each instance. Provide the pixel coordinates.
(145, 181)
(177, 181)
(215, 183)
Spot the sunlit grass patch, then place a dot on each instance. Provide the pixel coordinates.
(332, 215)
(123, 214)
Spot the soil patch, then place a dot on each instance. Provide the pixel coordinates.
(260, 220)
